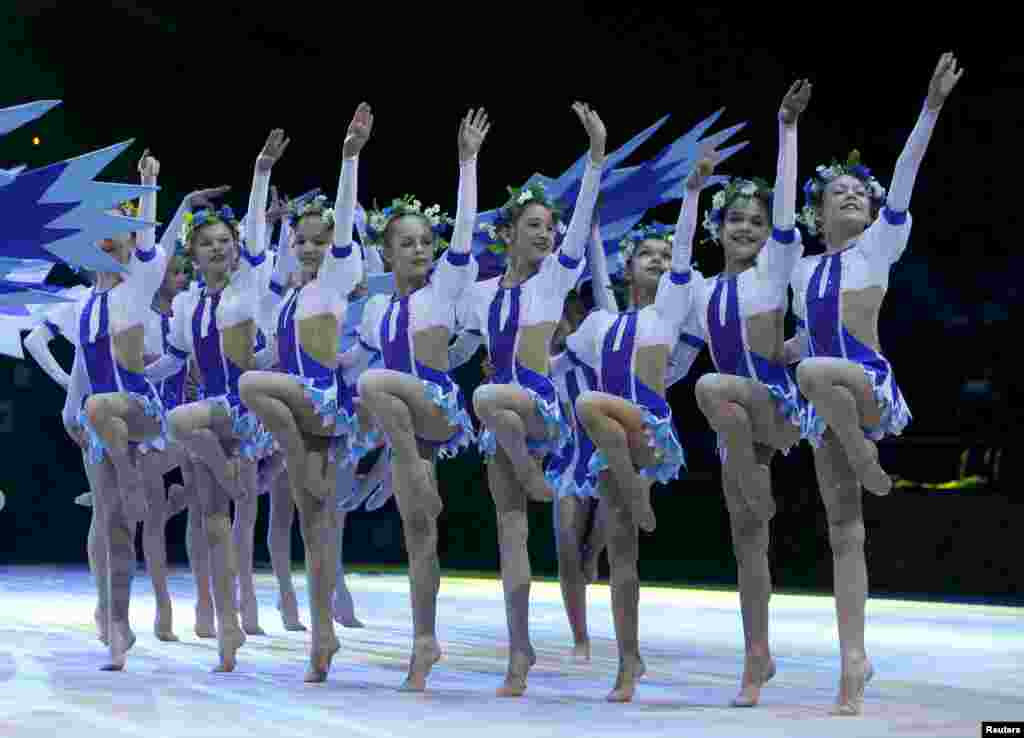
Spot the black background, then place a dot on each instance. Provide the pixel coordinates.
(202, 85)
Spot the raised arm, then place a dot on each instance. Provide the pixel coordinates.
(149, 169)
(191, 201)
(343, 265)
(575, 240)
(149, 262)
(458, 269)
(601, 282)
(943, 81)
(254, 248)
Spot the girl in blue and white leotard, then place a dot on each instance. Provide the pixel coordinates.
(517, 313)
(752, 400)
(628, 419)
(413, 398)
(217, 326)
(852, 391)
(120, 407)
(303, 406)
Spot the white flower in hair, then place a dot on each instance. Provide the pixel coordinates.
(524, 197)
(562, 228)
(749, 189)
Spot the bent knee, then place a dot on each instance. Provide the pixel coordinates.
(95, 409)
(248, 386)
(810, 376)
(485, 400)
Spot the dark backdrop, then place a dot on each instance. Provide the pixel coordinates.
(202, 86)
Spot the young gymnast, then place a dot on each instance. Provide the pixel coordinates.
(517, 313)
(850, 386)
(752, 400)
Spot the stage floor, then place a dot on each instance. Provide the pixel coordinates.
(940, 669)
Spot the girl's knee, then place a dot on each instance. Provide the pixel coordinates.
(485, 400)
(809, 376)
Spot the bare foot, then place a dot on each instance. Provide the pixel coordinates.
(425, 653)
(519, 664)
(121, 640)
(162, 627)
(756, 673)
(870, 473)
(580, 653)
(757, 490)
(102, 626)
(230, 641)
(288, 606)
(850, 701)
(320, 661)
(204, 621)
(625, 683)
(251, 617)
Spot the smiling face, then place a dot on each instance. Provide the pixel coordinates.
(213, 248)
(312, 237)
(532, 235)
(408, 246)
(651, 258)
(746, 226)
(845, 203)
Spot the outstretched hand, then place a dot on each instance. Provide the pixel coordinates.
(595, 129)
(472, 132)
(358, 131)
(943, 80)
(272, 150)
(149, 167)
(795, 102)
(205, 198)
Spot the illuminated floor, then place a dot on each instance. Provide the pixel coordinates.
(941, 669)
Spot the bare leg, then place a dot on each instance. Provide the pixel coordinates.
(197, 426)
(622, 534)
(279, 541)
(510, 412)
(317, 520)
(215, 501)
(120, 539)
(513, 531)
(750, 538)
(154, 541)
(243, 536)
(840, 491)
(119, 420)
(198, 548)
(595, 542)
(344, 607)
(571, 515)
(742, 410)
(844, 398)
(616, 428)
(97, 548)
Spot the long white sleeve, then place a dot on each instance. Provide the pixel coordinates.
(456, 270)
(579, 227)
(601, 283)
(342, 267)
(345, 202)
(686, 227)
(784, 201)
(38, 345)
(254, 248)
(909, 162)
(77, 388)
(147, 212)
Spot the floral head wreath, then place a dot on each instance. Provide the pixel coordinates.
(657, 231)
(204, 217)
(724, 198)
(814, 188)
(316, 206)
(128, 208)
(377, 220)
(519, 197)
